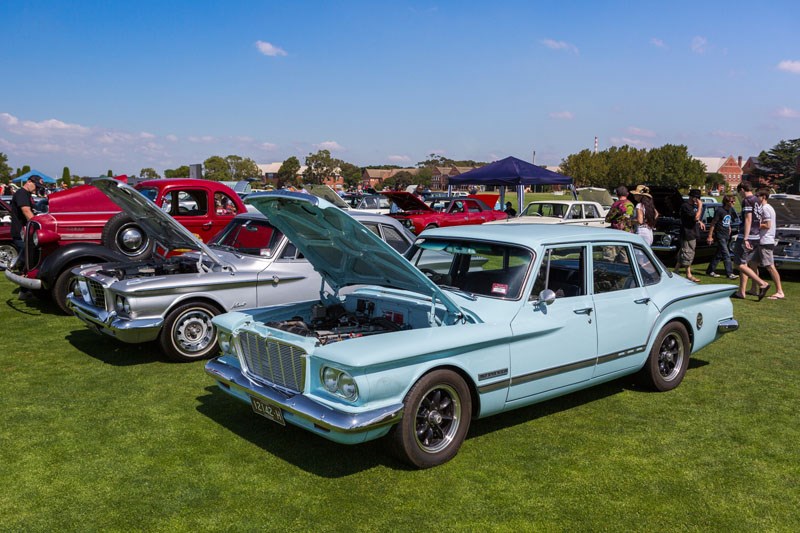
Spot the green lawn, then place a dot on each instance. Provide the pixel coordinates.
(97, 435)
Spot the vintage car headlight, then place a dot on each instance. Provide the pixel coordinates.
(122, 305)
(35, 238)
(666, 239)
(224, 339)
(339, 382)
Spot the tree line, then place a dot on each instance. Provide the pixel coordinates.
(666, 165)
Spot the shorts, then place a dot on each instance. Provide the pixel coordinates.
(765, 254)
(742, 255)
(686, 254)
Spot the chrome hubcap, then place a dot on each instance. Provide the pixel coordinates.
(8, 254)
(131, 239)
(194, 332)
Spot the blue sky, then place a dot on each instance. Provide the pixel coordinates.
(128, 85)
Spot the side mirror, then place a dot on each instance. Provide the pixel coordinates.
(547, 297)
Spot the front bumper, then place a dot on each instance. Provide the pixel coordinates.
(786, 263)
(130, 330)
(22, 281)
(339, 426)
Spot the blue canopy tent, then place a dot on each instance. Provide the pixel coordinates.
(509, 172)
(34, 172)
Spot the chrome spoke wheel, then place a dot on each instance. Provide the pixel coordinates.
(671, 356)
(437, 418)
(8, 254)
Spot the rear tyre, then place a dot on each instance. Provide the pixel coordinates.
(122, 234)
(669, 358)
(188, 334)
(435, 421)
(65, 283)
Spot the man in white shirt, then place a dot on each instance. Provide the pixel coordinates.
(766, 242)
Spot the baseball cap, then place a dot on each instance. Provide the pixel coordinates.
(695, 193)
(37, 180)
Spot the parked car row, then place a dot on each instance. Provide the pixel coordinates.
(346, 325)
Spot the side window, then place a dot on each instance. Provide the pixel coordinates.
(612, 269)
(394, 239)
(562, 271)
(708, 214)
(186, 203)
(649, 271)
(574, 213)
(289, 251)
(373, 228)
(223, 204)
(590, 211)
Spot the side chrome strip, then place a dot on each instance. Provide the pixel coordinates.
(617, 355)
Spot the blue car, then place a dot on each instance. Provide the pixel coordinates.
(473, 321)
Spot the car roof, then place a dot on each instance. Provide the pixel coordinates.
(533, 235)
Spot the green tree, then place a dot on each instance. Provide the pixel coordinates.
(672, 165)
(587, 169)
(110, 174)
(713, 180)
(149, 174)
(781, 164)
(216, 168)
(424, 176)
(180, 172)
(24, 170)
(287, 174)
(319, 166)
(5, 170)
(350, 173)
(66, 177)
(403, 179)
(242, 167)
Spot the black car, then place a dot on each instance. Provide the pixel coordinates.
(666, 237)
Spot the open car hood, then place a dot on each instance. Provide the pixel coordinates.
(323, 191)
(407, 201)
(342, 250)
(787, 209)
(159, 225)
(667, 200)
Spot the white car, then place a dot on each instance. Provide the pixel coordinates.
(560, 212)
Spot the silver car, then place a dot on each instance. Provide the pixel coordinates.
(172, 298)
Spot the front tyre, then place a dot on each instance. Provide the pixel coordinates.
(435, 422)
(188, 334)
(64, 285)
(669, 358)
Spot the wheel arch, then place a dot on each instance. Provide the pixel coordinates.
(473, 389)
(72, 255)
(195, 298)
(674, 318)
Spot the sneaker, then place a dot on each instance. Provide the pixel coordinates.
(25, 295)
(733, 276)
(713, 274)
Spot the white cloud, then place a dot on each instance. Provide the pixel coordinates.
(552, 44)
(398, 158)
(619, 141)
(45, 128)
(658, 43)
(786, 112)
(171, 138)
(269, 49)
(730, 135)
(329, 145)
(789, 66)
(639, 132)
(699, 45)
(268, 146)
(146, 135)
(201, 139)
(562, 115)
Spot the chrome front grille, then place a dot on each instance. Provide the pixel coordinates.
(96, 293)
(273, 361)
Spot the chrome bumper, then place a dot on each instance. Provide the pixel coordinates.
(727, 325)
(129, 330)
(22, 281)
(787, 263)
(303, 407)
(662, 248)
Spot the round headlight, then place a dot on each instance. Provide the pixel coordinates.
(330, 378)
(347, 386)
(666, 240)
(35, 238)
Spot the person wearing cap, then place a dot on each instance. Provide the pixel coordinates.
(21, 213)
(646, 213)
(509, 210)
(690, 213)
(620, 214)
(720, 232)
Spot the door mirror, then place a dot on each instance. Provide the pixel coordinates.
(547, 297)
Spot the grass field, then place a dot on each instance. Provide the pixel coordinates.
(97, 435)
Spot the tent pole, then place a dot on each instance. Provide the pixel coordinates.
(520, 197)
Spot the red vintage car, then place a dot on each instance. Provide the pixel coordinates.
(417, 216)
(83, 226)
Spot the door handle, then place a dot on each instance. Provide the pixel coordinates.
(207, 225)
(642, 301)
(585, 311)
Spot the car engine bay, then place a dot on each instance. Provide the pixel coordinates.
(143, 269)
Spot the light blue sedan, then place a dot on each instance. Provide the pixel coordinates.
(475, 321)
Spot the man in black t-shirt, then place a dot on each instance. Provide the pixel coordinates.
(720, 232)
(690, 213)
(22, 212)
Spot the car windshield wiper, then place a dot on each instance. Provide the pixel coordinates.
(462, 292)
(228, 248)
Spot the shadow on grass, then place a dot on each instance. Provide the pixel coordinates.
(33, 307)
(113, 352)
(308, 451)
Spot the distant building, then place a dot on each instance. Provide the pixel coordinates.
(440, 178)
(730, 168)
(269, 173)
(374, 177)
